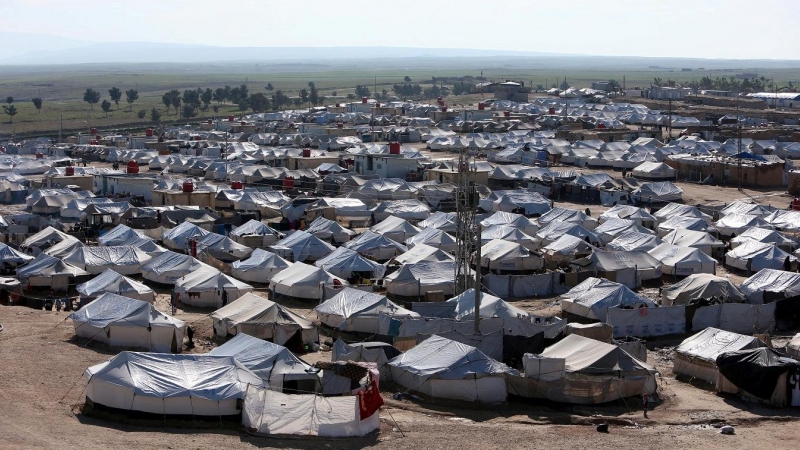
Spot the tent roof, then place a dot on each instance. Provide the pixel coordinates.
(589, 356)
(112, 308)
(491, 306)
(711, 342)
(264, 358)
(447, 359)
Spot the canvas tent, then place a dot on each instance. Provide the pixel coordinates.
(164, 384)
(422, 252)
(415, 280)
(329, 231)
(769, 284)
(411, 209)
(47, 271)
(657, 192)
(695, 239)
(169, 267)
(260, 267)
(259, 317)
(696, 356)
(444, 368)
(592, 298)
(125, 260)
(300, 247)
(255, 234)
(375, 246)
(358, 311)
(683, 260)
(46, 238)
(735, 224)
(508, 233)
(565, 249)
(680, 210)
(612, 228)
(793, 347)
(633, 240)
(273, 413)
(490, 306)
(701, 286)
(435, 238)
(759, 374)
(273, 363)
(345, 263)
(512, 220)
(629, 212)
(655, 171)
(766, 236)
(501, 256)
(379, 353)
(11, 258)
(222, 247)
(582, 370)
(395, 228)
(753, 256)
(628, 268)
(118, 235)
(303, 281)
(120, 321)
(113, 282)
(205, 288)
(178, 238)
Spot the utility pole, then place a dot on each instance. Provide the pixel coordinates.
(739, 145)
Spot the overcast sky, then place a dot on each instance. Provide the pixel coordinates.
(680, 28)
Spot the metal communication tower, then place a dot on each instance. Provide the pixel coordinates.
(468, 251)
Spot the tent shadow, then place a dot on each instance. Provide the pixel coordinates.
(761, 410)
(309, 442)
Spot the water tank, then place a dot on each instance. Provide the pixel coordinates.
(288, 182)
(339, 125)
(444, 108)
(363, 99)
(188, 187)
(337, 105)
(39, 156)
(394, 148)
(377, 104)
(242, 123)
(306, 153)
(230, 118)
(93, 131)
(210, 121)
(236, 185)
(601, 126)
(70, 171)
(481, 106)
(132, 167)
(149, 132)
(506, 113)
(551, 110)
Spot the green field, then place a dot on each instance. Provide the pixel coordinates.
(62, 87)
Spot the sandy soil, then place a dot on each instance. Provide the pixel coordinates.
(42, 389)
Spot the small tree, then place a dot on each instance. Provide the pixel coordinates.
(269, 87)
(131, 95)
(206, 97)
(11, 110)
(91, 97)
(9, 100)
(155, 115)
(37, 103)
(106, 106)
(189, 110)
(303, 96)
(166, 100)
(141, 114)
(407, 79)
(175, 99)
(258, 102)
(116, 95)
(219, 95)
(334, 93)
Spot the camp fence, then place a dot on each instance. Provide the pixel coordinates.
(741, 318)
(407, 327)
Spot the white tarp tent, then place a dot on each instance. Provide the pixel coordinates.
(301, 246)
(683, 260)
(701, 286)
(113, 282)
(345, 263)
(303, 281)
(662, 191)
(273, 363)
(274, 413)
(422, 252)
(178, 238)
(46, 270)
(630, 212)
(593, 297)
(696, 239)
(753, 256)
(358, 311)
(395, 228)
(444, 368)
(126, 260)
(164, 384)
(509, 256)
(611, 228)
(11, 258)
(329, 231)
(770, 283)
(764, 235)
(735, 224)
(654, 171)
(415, 280)
(512, 220)
(260, 267)
(255, 234)
(376, 246)
(206, 288)
(697, 355)
(120, 321)
(264, 319)
(222, 247)
(169, 267)
(633, 240)
(435, 238)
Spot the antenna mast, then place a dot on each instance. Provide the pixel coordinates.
(468, 234)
